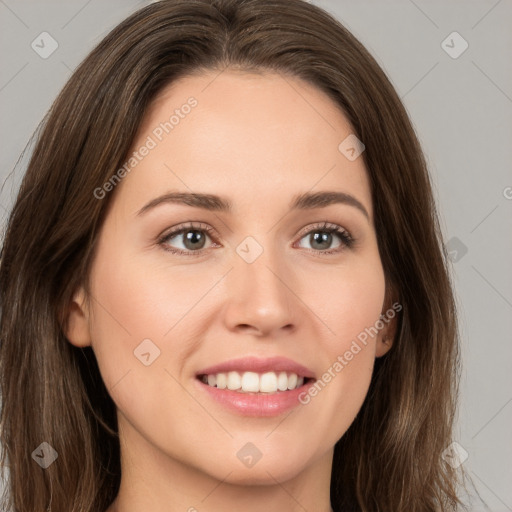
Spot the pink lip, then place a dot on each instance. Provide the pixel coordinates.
(256, 404)
(255, 364)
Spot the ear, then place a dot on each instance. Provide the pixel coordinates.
(76, 321)
(389, 318)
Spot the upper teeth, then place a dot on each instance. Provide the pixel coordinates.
(248, 382)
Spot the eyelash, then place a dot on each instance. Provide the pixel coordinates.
(345, 237)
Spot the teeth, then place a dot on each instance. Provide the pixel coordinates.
(292, 381)
(282, 382)
(222, 382)
(234, 381)
(268, 382)
(251, 382)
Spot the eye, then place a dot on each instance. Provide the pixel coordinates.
(322, 236)
(194, 240)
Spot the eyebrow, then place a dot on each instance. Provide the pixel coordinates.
(305, 201)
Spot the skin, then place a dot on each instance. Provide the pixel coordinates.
(258, 140)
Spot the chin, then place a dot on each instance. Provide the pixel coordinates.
(260, 474)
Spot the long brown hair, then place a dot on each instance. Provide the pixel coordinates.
(390, 459)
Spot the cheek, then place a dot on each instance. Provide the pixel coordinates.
(140, 316)
(350, 303)
(134, 301)
(349, 300)
(142, 298)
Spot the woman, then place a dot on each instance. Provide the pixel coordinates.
(297, 349)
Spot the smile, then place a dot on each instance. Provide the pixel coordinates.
(252, 386)
(252, 382)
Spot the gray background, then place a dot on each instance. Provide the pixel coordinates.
(462, 111)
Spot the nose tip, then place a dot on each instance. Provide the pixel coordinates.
(259, 299)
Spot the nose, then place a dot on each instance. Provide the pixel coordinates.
(260, 297)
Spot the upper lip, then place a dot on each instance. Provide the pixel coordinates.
(259, 365)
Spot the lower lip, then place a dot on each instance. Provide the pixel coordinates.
(257, 404)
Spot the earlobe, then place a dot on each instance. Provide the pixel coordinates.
(76, 323)
(384, 344)
(388, 334)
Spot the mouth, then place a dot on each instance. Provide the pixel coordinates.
(253, 383)
(256, 387)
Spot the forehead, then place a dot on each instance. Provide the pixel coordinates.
(238, 132)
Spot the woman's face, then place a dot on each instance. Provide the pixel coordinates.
(263, 279)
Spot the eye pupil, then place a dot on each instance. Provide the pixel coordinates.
(194, 236)
(322, 237)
